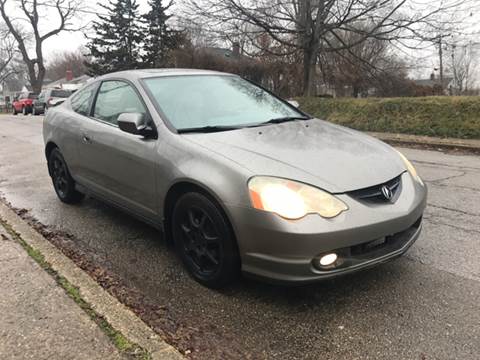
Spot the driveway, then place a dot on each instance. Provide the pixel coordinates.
(424, 305)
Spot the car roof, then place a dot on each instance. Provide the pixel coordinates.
(150, 73)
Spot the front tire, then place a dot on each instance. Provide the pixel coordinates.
(205, 241)
(63, 183)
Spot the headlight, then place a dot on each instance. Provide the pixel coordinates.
(291, 199)
(410, 168)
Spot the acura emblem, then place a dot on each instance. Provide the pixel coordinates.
(387, 193)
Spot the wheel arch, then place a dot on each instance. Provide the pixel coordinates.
(49, 147)
(48, 150)
(182, 187)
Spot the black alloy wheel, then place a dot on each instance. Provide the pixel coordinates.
(204, 240)
(63, 183)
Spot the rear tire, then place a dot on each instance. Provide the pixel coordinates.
(205, 241)
(63, 183)
(14, 111)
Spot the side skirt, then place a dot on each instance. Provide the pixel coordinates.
(156, 223)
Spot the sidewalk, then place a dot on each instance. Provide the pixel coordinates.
(471, 145)
(51, 309)
(38, 320)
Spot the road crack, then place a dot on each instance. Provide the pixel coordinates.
(437, 165)
(455, 186)
(454, 210)
(463, 173)
(431, 220)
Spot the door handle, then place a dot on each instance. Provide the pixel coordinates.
(86, 139)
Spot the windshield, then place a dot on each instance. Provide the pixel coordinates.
(61, 93)
(195, 101)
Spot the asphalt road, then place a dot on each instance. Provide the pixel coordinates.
(424, 305)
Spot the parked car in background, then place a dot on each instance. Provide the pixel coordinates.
(49, 98)
(24, 103)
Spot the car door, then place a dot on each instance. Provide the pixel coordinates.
(39, 102)
(116, 164)
(70, 127)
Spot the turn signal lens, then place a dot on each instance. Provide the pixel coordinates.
(291, 199)
(411, 169)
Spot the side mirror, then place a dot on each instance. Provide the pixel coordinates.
(294, 103)
(134, 123)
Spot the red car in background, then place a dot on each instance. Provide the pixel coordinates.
(24, 103)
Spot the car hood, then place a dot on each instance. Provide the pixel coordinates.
(329, 156)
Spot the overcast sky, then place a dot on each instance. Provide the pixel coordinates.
(424, 61)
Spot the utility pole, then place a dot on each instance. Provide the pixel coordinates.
(440, 53)
(454, 66)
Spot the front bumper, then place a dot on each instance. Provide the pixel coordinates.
(285, 251)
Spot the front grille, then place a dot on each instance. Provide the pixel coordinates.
(374, 193)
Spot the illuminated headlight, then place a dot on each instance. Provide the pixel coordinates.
(291, 199)
(410, 168)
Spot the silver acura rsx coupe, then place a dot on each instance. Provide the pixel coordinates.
(238, 179)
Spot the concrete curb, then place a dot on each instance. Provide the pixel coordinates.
(469, 145)
(104, 304)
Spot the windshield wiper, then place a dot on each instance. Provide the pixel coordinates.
(280, 120)
(208, 129)
(217, 128)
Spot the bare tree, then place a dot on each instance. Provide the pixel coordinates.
(312, 27)
(58, 64)
(7, 55)
(32, 12)
(365, 69)
(463, 65)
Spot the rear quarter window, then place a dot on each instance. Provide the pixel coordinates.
(82, 100)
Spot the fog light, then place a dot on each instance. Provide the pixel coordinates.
(328, 259)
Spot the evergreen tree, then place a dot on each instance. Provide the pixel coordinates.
(116, 45)
(159, 38)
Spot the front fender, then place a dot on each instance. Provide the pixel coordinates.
(188, 162)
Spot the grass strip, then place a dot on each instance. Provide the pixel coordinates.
(438, 116)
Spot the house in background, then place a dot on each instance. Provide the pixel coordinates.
(68, 82)
(434, 86)
(224, 53)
